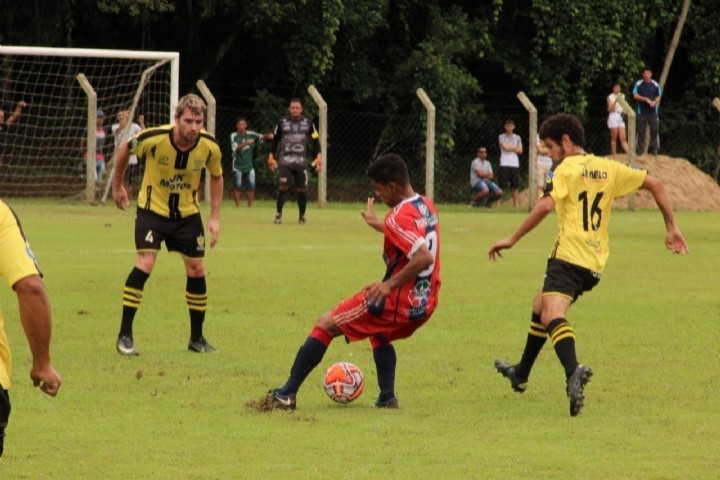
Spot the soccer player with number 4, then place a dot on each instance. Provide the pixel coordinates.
(383, 311)
(581, 189)
(168, 211)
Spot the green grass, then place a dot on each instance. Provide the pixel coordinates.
(649, 330)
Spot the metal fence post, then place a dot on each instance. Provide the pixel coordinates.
(429, 144)
(322, 177)
(532, 147)
(90, 146)
(209, 124)
(632, 141)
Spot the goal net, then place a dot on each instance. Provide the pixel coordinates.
(73, 97)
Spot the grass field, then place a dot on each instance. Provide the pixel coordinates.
(649, 330)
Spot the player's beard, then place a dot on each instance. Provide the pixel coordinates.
(188, 138)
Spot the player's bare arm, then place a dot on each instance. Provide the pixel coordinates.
(122, 158)
(421, 260)
(35, 317)
(541, 209)
(674, 240)
(371, 217)
(216, 193)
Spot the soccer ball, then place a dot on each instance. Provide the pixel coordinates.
(343, 382)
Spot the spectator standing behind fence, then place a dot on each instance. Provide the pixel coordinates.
(294, 134)
(120, 135)
(100, 135)
(481, 180)
(510, 148)
(5, 125)
(244, 144)
(615, 121)
(647, 93)
(544, 164)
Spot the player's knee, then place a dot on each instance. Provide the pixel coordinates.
(195, 269)
(146, 262)
(326, 322)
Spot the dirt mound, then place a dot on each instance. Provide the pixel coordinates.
(689, 189)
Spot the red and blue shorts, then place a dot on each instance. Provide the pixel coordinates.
(357, 323)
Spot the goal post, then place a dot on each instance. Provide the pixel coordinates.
(45, 151)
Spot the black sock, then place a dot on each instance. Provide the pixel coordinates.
(563, 338)
(537, 336)
(307, 358)
(4, 415)
(132, 296)
(196, 296)
(302, 203)
(280, 201)
(385, 361)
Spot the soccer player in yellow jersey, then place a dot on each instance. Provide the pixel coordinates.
(580, 188)
(168, 211)
(19, 269)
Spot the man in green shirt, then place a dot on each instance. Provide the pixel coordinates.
(244, 146)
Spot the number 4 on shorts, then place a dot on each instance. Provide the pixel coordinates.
(149, 237)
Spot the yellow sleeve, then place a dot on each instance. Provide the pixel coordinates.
(627, 179)
(557, 185)
(214, 162)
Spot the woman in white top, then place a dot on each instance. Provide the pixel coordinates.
(615, 122)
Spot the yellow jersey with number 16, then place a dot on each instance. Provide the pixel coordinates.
(583, 188)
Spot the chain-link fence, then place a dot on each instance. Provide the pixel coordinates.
(355, 138)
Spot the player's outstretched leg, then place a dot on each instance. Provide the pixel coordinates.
(277, 401)
(509, 371)
(536, 338)
(307, 358)
(385, 362)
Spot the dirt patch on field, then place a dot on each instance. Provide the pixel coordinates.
(689, 189)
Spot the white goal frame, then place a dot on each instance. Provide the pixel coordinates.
(172, 57)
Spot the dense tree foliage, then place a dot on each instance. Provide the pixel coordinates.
(373, 54)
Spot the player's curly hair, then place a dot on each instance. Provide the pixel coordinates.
(389, 168)
(193, 103)
(561, 124)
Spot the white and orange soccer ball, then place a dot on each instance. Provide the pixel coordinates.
(343, 382)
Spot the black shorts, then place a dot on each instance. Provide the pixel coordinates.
(184, 235)
(299, 175)
(509, 176)
(568, 279)
(4, 415)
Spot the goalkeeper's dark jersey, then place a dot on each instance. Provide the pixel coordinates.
(171, 179)
(296, 138)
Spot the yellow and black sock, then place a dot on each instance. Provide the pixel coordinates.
(563, 339)
(196, 296)
(537, 336)
(132, 297)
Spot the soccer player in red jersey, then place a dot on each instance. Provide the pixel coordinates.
(388, 310)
